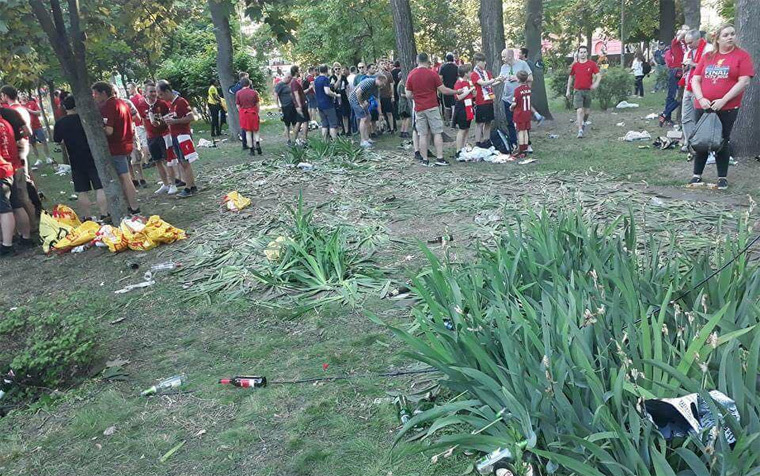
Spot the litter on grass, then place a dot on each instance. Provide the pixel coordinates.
(235, 201)
(626, 105)
(690, 414)
(632, 136)
(132, 287)
(652, 116)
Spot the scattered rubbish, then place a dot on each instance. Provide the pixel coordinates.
(50, 161)
(476, 154)
(245, 382)
(500, 159)
(674, 135)
(441, 239)
(116, 321)
(645, 147)
(165, 385)
(690, 414)
(273, 249)
(305, 166)
(236, 202)
(73, 197)
(132, 287)
(63, 169)
(494, 461)
(553, 136)
(205, 143)
(657, 202)
(200, 433)
(526, 161)
(663, 143)
(620, 124)
(652, 116)
(168, 266)
(626, 105)
(109, 431)
(169, 453)
(632, 136)
(403, 411)
(390, 199)
(38, 163)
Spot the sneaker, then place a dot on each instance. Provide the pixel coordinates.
(366, 144)
(163, 189)
(6, 250)
(370, 141)
(136, 211)
(710, 159)
(539, 119)
(732, 161)
(172, 190)
(186, 193)
(425, 163)
(661, 120)
(136, 183)
(722, 183)
(695, 182)
(179, 183)
(143, 183)
(26, 242)
(252, 152)
(586, 123)
(418, 156)
(258, 149)
(580, 134)
(441, 163)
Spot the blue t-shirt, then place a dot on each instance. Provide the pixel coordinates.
(324, 101)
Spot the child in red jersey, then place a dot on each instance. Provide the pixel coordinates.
(522, 114)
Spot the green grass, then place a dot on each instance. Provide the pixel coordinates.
(331, 428)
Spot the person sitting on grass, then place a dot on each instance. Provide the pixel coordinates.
(68, 131)
(522, 113)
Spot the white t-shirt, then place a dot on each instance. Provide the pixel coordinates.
(638, 67)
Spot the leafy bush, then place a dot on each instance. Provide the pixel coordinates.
(557, 339)
(341, 152)
(558, 85)
(45, 350)
(614, 87)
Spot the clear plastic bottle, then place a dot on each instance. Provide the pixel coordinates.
(168, 266)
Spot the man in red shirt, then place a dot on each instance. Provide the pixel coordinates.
(7, 220)
(151, 111)
(423, 85)
(117, 124)
(299, 101)
(674, 60)
(247, 101)
(39, 135)
(584, 77)
(179, 118)
(140, 139)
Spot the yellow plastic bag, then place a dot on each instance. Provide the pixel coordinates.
(159, 231)
(113, 238)
(134, 233)
(80, 235)
(236, 202)
(51, 231)
(274, 248)
(66, 215)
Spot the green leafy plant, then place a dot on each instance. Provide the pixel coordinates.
(563, 329)
(339, 153)
(558, 85)
(614, 87)
(45, 350)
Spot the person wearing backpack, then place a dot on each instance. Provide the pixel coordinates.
(718, 84)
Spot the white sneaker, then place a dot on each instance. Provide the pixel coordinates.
(580, 133)
(530, 149)
(38, 163)
(172, 189)
(365, 144)
(710, 159)
(163, 189)
(587, 123)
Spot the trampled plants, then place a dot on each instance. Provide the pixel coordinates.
(564, 328)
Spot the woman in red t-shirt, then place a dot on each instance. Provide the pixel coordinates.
(718, 84)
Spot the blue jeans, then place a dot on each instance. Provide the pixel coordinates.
(671, 102)
(511, 131)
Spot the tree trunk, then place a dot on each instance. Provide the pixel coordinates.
(492, 35)
(220, 16)
(70, 50)
(744, 138)
(534, 15)
(667, 20)
(45, 121)
(622, 33)
(406, 48)
(692, 13)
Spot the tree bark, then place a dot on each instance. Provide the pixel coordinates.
(69, 48)
(744, 138)
(406, 48)
(220, 16)
(534, 16)
(667, 20)
(491, 17)
(692, 13)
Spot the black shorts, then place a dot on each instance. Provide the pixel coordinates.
(6, 187)
(448, 101)
(388, 106)
(305, 117)
(289, 115)
(157, 148)
(18, 189)
(85, 178)
(404, 115)
(345, 108)
(484, 113)
(374, 115)
(459, 117)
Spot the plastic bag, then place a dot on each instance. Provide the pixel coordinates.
(236, 202)
(80, 235)
(160, 231)
(51, 231)
(707, 135)
(274, 248)
(111, 237)
(66, 215)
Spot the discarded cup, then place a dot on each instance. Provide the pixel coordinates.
(165, 385)
(245, 382)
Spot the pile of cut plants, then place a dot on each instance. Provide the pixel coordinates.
(551, 341)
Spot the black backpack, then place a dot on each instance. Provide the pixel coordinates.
(647, 68)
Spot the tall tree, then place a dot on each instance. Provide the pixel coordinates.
(667, 20)
(534, 15)
(492, 33)
(744, 138)
(406, 48)
(67, 40)
(220, 17)
(692, 12)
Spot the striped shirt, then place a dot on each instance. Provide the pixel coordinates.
(366, 88)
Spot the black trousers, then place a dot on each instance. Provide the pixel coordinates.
(639, 86)
(216, 128)
(727, 118)
(387, 105)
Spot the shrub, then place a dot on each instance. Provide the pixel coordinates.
(558, 85)
(614, 87)
(557, 339)
(45, 350)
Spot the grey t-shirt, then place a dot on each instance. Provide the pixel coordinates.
(284, 92)
(508, 91)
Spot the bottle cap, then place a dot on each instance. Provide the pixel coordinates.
(225, 381)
